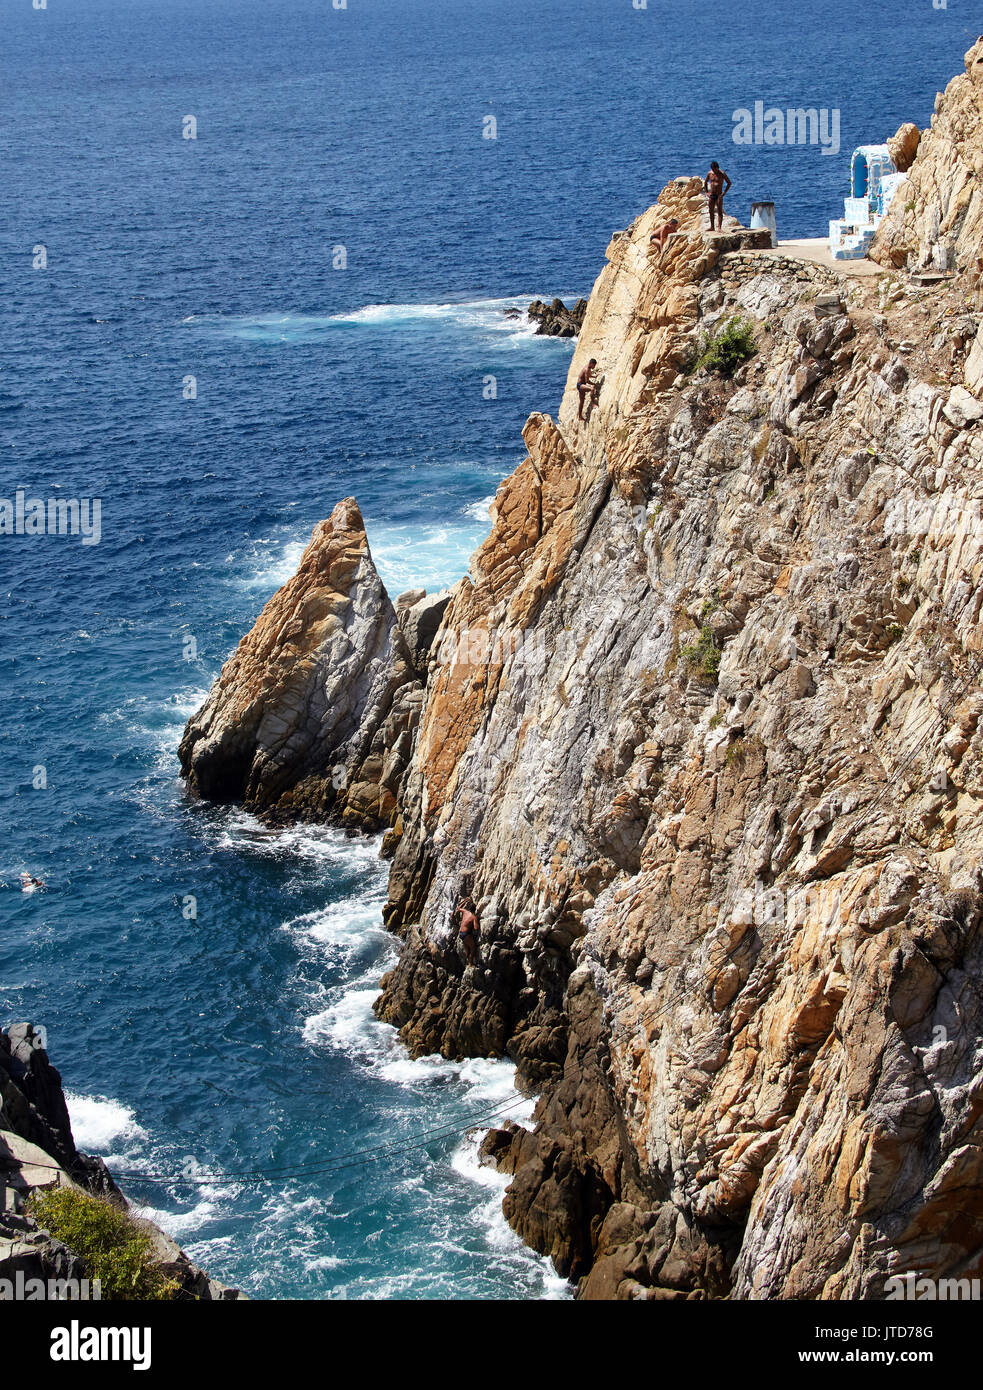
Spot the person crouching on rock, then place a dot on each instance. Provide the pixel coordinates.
(664, 233)
(587, 388)
(468, 928)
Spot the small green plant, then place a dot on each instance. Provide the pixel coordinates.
(716, 720)
(740, 750)
(703, 655)
(115, 1249)
(736, 753)
(894, 634)
(723, 352)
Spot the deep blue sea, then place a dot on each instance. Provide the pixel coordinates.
(241, 1040)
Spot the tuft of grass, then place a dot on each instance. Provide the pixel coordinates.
(739, 750)
(115, 1249)
(736, 753)
(703, 655)
(726, 350)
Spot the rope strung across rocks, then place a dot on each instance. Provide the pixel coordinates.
(352, 1160)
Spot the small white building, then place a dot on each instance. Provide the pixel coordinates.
(874, 180)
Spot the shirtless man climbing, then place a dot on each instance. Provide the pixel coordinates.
(664, 233)
(587, 388)
(715, 185)
(468, 928)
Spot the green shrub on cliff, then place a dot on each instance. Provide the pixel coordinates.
(115, 1249)
(703, 655)
(723, 352)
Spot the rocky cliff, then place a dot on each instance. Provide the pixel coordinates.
(701, 735)
(937, 216)
(312, 714)
(37, 1152)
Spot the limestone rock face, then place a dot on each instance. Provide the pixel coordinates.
(312, 715)
(936, 219)
(702, 737)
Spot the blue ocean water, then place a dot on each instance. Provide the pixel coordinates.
(241, 1040)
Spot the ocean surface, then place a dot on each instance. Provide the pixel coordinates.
(218, 338)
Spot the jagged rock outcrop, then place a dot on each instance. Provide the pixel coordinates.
(702, 737)
(903, 146)
(37, 1151)
(312, 716)
(555, 320)
(419, 615)
(937, 217)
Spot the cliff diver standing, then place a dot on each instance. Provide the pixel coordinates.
(715, 185)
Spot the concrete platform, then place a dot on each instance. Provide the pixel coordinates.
(816, 249)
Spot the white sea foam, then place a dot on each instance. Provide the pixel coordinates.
(479, 510)
(273, 571)
(485, 317)
(498, 1234)
(159, 722)
(343, 928)
(348, 1024)
(326, 844)
(179, 1224)
(408, 556)
(101, 1124)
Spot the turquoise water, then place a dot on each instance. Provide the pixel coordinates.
(242, 1040)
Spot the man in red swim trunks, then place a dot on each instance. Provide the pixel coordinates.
(715, 185)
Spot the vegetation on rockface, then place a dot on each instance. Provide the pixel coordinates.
(703, 655)
(724, 351)
(115, 1249)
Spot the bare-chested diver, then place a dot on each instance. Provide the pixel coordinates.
(587, 388)
(665, 232)
(468, 928)
(715, 185)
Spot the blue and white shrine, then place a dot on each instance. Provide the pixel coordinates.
(874, 180)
